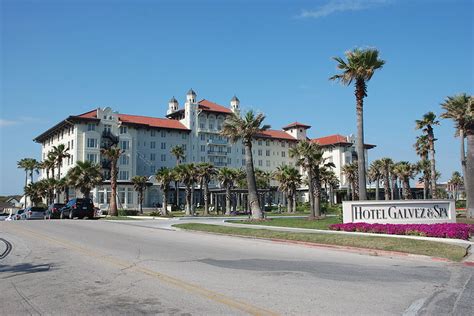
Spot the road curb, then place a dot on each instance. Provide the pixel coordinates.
(366, 251)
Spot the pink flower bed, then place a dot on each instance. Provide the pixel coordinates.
(445, 230)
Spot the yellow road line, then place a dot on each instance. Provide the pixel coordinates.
(196, 289)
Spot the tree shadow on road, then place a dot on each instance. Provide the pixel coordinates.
(9, 271)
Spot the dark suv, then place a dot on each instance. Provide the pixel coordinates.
(78, 208)
(54, 210)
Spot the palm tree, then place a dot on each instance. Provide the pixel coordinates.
(426, 125)
(35, 191)
(113, 154)
(289, 180)
(30, 165)
(386, 166)
(46, 165)
(455, 182)
(422, 149)
(351, 172)
(60, 152)
(226, 177)
(139, 185)
(310, 156)
(375, 173)
(360, 66)
(205, 172)
(405, 171)
(48, 186)
(330, 180)
(185, 174)
(246, 128)
(52, 162)
(459, 109)
(85, 175)
(62, 185)
(164, 176)
(178, 153)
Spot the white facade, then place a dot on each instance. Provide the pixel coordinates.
(147, 142)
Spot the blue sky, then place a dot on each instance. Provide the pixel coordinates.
(67, 57)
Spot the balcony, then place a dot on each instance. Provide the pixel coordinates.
(223, 142)
(216, 153)
(114, 139)
(207, 130)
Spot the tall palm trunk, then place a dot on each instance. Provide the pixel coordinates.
(165, 202)
(187, 192)
(434, 193)
(316, 189)
(470, 174)
(386, 185)
(251, 183)
(462, 136)
(193, 208)
(360, 94)
(294, 202)
(406, 189)
(206, 198)
(228, 196)
(289, 208)
(377, 188)
(113, 188)
(310, 192)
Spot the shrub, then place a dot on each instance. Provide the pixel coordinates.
(155, 213)
(444, 230)
(126, 212)
(461, 204)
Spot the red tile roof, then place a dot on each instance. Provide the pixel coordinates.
(271, 133)
(207, 105)
(141, 120)
(296, 124)
(152, 121)
(331, 140)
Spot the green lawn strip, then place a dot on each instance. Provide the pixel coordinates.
(420, 247)
(118, 218)
(293, 222)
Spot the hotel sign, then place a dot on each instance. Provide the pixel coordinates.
(399, 212)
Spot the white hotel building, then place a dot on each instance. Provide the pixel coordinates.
(147, 141)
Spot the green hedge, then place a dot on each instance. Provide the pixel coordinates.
(127, 212)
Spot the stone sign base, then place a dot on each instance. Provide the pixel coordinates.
(399, 212)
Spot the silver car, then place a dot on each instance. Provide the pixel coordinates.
(35, 212)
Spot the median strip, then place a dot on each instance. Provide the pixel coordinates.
(409, 246)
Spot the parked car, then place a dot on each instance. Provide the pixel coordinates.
(19, 215)
(54, 210)
(79, 208)
(4, 216)
(35, 212)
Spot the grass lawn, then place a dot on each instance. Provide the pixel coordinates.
(294, 222)
(421, 247)
(118, 218)
(465, 220)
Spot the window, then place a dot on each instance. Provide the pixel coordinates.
(283, 144)
(184, 136)
(152, 145)
(243, 162)
(129, 196)
(124, 144)
(203, 137)
(124, 160)
(152, 157)
(259, 143)
(91, 127)
(184, 147)
(123, 175)
(268, 163)
(123, 129)
(283, 154)
(92, 158)
(267, 143)
(152, 133)
(203, 148)
(201, 125)
(101, 197)
(72, 159)
(259, 152)
(163, 145)
(211, 125)
(243, 151)
(260, 163)
(107, 128)
(153, 169)
(229, 149)
(72, 144)
(163, 133)
(267, 152)
(229, 160)
(92, 143)
(163, 157)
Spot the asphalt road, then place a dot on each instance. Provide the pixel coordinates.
(136, 267)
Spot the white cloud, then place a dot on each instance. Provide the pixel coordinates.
(4, 122)
(334, 6)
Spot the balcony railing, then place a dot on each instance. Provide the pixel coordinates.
(217, 153)
(218, 142)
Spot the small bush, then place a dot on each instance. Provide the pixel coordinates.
(461, 204)
(125, 212)
(155, 213)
